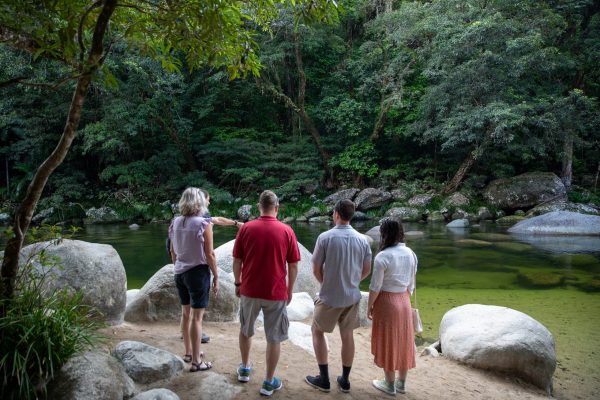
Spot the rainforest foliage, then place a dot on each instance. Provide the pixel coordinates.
(448, 92)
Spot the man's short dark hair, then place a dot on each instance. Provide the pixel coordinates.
(345, 209)
(268, 200)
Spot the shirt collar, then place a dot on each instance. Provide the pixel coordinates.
(343, 226)
(268, 217)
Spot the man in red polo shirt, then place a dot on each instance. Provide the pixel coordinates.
(261, 251)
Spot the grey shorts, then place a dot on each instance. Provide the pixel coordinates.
(275, 317)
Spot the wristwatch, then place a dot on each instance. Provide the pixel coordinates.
(238, 284)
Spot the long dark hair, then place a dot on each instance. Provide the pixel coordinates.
(391, 232)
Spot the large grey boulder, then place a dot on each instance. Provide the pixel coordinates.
(363, 310)
(4, 218)
(458, 223)
(499, 339)
(421, 200)
(305, 280)
(525, 190)
(94, 269)
(156, 394)
(147, 364)
(158, 299)
(341, 195)
(312, 212)
(102, 215)
(559, 223)
(456, 200)
(371, 198)
(400, 194)
(483, 213)
(374, 234)
(563, 205)
(91, 375)
(301, 307)
(406, 214)
(244, 212)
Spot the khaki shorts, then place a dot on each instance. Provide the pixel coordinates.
(275, 317)
(326, 318)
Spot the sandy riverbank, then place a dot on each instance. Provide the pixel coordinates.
(434, 378)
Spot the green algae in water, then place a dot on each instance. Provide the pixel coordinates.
(513, 246)
(491, 237)
(540, 279)
(586, 262)
(473, 243)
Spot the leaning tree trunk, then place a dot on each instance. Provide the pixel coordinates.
(460, 173)
(468, 162)
(10, 263)
(567, 162)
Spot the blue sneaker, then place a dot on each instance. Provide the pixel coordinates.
(244, 373)
(268, 388)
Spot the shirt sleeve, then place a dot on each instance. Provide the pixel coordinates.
(413, 280)
(293, 254)
(318, 256)
(203, 224)
(238, 248)
(368, 253)
(377, 274)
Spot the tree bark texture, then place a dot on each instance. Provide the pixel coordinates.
(567, 162)
(467, 163)
(10, 264)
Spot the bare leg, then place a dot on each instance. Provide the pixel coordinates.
(272, 356)
(196, 332)
(184, 325)
(245, 346)
(319, 345)
(402, 375)
(389, 376)
(347, 347)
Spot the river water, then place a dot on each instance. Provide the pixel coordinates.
(553, 279)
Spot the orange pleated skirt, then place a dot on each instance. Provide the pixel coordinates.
(392, 334)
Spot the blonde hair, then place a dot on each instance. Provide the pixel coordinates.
(192, 202)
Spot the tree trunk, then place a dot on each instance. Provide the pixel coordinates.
(460, 174)
(567, 162)
(467, 163)
(10, 264)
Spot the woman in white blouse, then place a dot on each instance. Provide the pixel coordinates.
(392, 283)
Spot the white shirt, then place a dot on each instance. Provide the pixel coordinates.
(394, 270)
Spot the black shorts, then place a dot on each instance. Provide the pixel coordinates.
(194, 285)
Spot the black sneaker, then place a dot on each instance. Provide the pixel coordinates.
(343, 384)
(205, 339)
(318, 383)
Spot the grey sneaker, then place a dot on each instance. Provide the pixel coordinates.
(384, 386)
(244, 372)
(400, 385)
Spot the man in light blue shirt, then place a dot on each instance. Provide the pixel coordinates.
(341, 259)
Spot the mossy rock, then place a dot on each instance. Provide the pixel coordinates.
(585, 262)
(591, 286)
(473, 243)
(540, 279)
(494, 237)
(513, 246)
(510, 220)
(439, 249)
